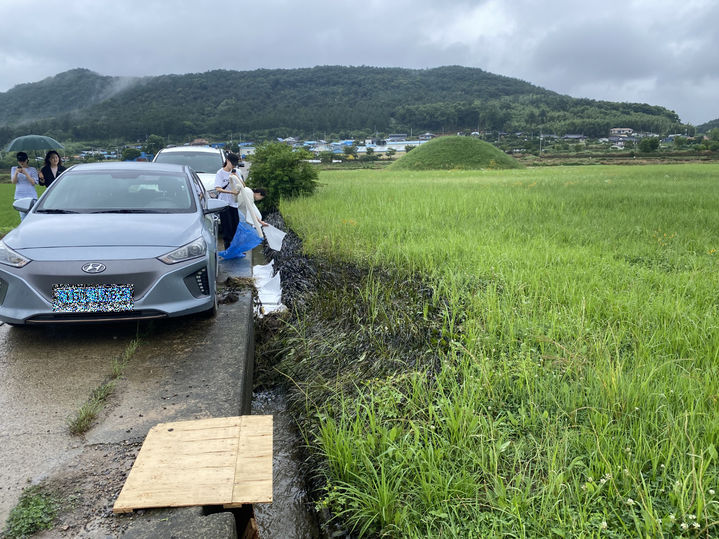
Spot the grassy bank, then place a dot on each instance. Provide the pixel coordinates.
(9, 218)
(578, 347)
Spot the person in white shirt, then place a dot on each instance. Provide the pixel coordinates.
(25, 179)
(224, 183)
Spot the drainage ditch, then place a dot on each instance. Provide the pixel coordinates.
(344, 327)
(291, 514)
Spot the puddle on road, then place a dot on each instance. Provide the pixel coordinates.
(290, 515)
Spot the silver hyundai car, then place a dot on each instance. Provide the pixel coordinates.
(109, 242)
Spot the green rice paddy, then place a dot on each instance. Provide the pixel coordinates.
(577, 394)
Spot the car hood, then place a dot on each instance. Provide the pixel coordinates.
(148, 233)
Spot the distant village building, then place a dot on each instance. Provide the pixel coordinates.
(246, 148)
(427, 136)
(670, 138)
(623, 139)
(291, 141)
(620, 131)
(397, 137)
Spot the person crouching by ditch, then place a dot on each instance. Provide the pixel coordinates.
(229, 218)
(25, 179)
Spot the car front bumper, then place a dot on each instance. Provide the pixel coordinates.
(160, 290)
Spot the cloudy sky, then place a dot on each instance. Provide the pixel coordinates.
(661, 52)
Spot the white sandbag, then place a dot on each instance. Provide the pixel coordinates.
(274, 237)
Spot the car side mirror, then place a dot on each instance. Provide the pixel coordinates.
(24, 205)
(214, 205)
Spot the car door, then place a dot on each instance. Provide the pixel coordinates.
(212, 220)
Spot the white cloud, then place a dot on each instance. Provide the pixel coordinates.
(661, 52)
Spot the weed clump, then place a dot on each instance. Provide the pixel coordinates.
(83, 419)
(36, 511)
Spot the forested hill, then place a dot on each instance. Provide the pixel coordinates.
(319, 102)
(69, 91)
(705, 128)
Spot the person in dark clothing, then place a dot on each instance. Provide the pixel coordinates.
(52, 169)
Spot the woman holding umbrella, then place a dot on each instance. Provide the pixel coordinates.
(25, 179)
(23, 176)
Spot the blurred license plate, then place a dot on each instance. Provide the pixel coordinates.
(89, 299)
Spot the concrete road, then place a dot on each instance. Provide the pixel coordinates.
(184, 368)
(46, 374)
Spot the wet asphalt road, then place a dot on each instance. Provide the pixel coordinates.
(46, 374)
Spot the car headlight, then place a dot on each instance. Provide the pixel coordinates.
(11, 258)
(193, 249)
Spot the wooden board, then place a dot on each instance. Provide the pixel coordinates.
(222, 461)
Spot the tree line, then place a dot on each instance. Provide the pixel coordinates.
(322, 102)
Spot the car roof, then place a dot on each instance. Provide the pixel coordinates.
(198, 149)
(131, 165)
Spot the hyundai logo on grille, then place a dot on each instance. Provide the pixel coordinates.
(93, 267)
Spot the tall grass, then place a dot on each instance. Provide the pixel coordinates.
(578, 394)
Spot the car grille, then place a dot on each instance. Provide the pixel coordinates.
(142, 274)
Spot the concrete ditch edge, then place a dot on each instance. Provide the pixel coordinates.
(228, 393)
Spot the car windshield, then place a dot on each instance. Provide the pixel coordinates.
(118, 191)
(202, 162)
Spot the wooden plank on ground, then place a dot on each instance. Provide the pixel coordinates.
(253, 468)
(221, 461)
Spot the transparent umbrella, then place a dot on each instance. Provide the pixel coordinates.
(33, 142)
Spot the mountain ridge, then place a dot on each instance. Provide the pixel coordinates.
(264, 103)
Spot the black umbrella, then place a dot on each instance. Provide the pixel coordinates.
(33, 142)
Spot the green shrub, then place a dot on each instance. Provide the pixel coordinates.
(283, 171)
(128, 154)
(649, 144)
